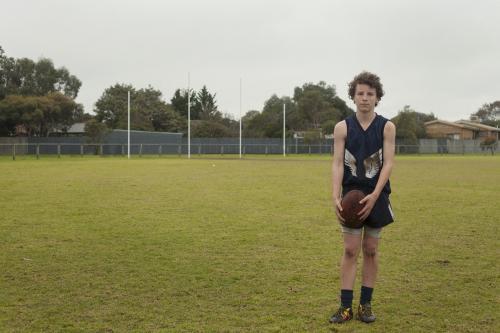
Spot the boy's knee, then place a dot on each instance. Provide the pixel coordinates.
(369, 251)
(350, 252)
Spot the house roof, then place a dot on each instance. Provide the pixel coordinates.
(478, 125)
(138, 131)
(465, 124)
(451, 124)
(77, 128)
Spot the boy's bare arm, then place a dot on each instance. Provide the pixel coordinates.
(339, 136)
(389, 147)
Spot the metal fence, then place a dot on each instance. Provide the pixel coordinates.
(72, 149)
(105, 149)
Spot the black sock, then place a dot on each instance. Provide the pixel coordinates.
(366, 295)
(346, 298)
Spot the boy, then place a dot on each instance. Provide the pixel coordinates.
(363, 159)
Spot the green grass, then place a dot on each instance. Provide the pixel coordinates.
(223, 245)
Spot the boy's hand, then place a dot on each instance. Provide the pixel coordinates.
(369, 202)
(338, 209)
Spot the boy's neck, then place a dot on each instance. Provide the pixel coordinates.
(365, 117)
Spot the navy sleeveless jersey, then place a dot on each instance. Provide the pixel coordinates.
(363, 155)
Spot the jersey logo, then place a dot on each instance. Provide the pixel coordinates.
(350, 162)
(372, 164)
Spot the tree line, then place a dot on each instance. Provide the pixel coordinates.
(313, 108)
(39, 99)
(36, 96)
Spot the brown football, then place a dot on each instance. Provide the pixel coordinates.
(351, 207)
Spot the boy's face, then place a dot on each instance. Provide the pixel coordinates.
(365, 98)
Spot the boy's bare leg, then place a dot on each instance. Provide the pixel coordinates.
(352, 245)
(370, 261)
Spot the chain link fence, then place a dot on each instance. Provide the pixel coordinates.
(198, 148)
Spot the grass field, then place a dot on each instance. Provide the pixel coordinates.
(223, 245)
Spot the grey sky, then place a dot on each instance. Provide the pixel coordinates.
(436, 56)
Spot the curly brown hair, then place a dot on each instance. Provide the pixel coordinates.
(369, 79)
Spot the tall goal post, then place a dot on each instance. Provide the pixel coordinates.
(128, 124)
(189, 115)
(240, 113)
(284, 122)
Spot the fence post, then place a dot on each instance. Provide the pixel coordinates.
(222, 150)
(14, 152)
(123, 150)
(309, 149)
(244, 150)
(266, 150)
(59, 150)
(179, 150)
(81, 150)
(140, 151)
(159, 151)
(199, 149)
(37, 152)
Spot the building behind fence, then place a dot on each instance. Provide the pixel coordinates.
(159, 143)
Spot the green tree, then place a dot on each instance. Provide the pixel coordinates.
(148, 111)
(246, 124)
(315, 104)
(111, 108)
(95, 131)
(488, 113)
(40, 115)
(328, 126)
(80, 116)
(62, 111)
(249, 116)
(29, 78)
(207, 120)
(7, 74)
(37, 96)
(269, 123)
(410, 124)
(67, 83)
(314, 108)
(319, 107)
(406, 124)
(209, 129)
(342, 108)
(232, 125)
(165, 119)
(9, 116)
(206, 104)
(421, 119)
(180, 103)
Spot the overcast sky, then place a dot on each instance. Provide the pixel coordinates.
(436, 56)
